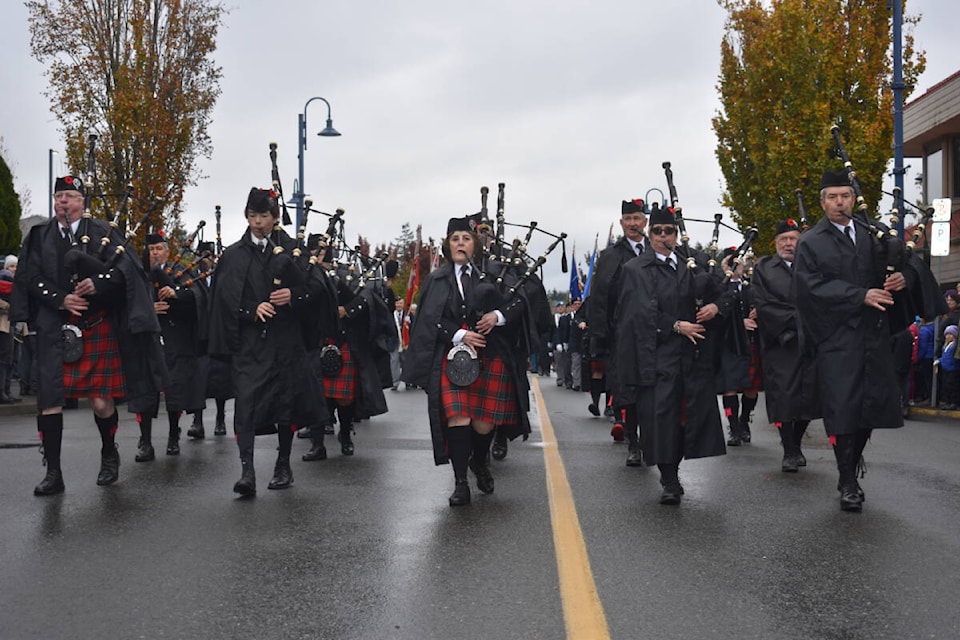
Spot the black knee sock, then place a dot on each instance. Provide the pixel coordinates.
(198, 418)
(221, 410)
(285, 439)
(51, 434)
(459, 447)
(630, 424)
(669, 473)
(500, 435)
(245, 443)
(596, 388)
(346, 418)
(108, 429)
(731, 407)
(747, 406)
(146, 427)
(481, 446)
(174, 418)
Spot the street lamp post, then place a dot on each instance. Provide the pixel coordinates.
(328, 132)
(50, 183)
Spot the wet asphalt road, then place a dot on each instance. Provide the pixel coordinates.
(366, 547)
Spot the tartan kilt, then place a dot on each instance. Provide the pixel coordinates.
(756, 371)
(491, 398)
(596, 367)
(98, 373)
(342, 386)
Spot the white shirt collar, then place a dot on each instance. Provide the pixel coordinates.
(73, 227)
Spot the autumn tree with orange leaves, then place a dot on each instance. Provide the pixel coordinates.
(790, 70)
(140, 74)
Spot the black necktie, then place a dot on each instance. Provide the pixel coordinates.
(849, 234)
(466, 283)
(672, 263)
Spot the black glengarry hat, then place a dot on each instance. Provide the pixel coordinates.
(632, 206)
(262, 201)
(69, 183)
(662, 216)
(834, 179)
(155, 238)
(784, 226)
(462, 224)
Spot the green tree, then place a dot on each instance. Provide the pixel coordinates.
(140, 74)
(9, 212)
(790, 70)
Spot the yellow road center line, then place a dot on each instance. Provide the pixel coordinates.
(582, 609)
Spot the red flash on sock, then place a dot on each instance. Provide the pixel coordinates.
(778, 425)
(728, 411)
(833, 441)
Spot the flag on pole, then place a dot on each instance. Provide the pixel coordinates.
(413, 283)
(610, 236)
(576, 290)
(593, 260)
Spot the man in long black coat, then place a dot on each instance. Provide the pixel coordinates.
(664, 364)
(260, 318)
(843, 300)
(113, 311)
(789, 376)
(601, 320)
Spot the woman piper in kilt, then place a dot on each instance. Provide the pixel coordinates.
(451, 315)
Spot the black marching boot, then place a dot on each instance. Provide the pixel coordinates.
(145, 452)
(220, 426)
(317, 450)
(799, 428)
(670, 482)
(246, 486)
(847, 458)
(479, 461)
(282, 474)
(731, 408)
(460, 446)
(499, 449)
(789, 464)
(173, 440)
(109, 455)
(51, 436)
(747, 406)
(196, 430)
(346, 424)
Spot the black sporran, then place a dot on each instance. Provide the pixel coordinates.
(331, 360)
(72, 343)
(463, 365)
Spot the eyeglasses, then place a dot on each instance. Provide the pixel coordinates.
(663, 231)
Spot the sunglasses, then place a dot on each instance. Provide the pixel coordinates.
(665, 231)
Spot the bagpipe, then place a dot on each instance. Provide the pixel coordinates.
(193, 264)
(507, 270)
(706, 266)
(892, 253)
(81, 260)
(889, 250)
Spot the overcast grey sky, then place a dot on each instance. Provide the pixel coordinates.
(574, 105)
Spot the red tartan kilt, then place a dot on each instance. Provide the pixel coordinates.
(756, 372)
(491, 398)
(596, 368)
(98, 373)
(343, 385)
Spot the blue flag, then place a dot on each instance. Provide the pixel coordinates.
(593, 259)
(576, 290)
